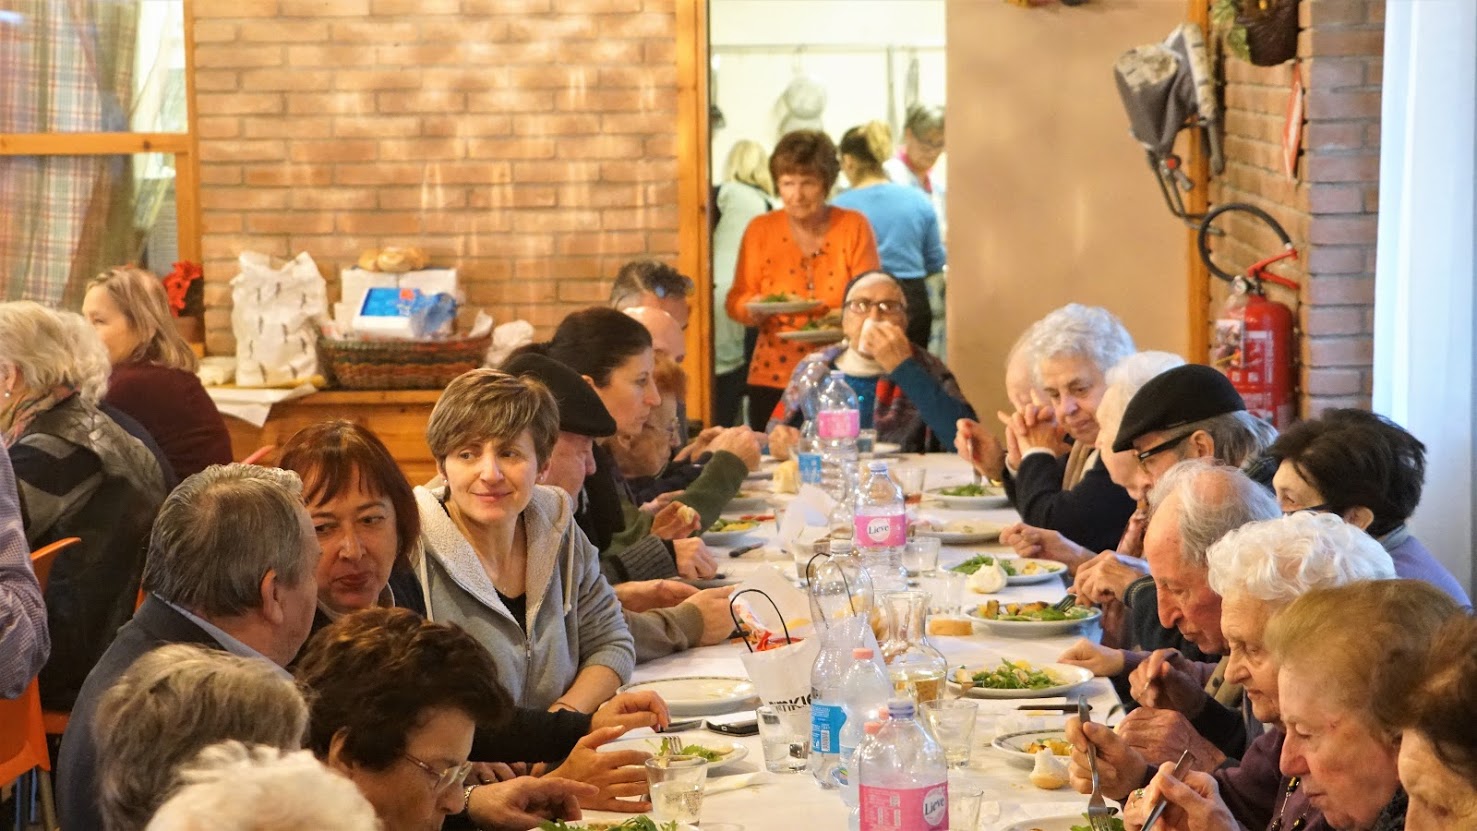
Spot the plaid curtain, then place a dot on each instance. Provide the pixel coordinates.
(66, 66)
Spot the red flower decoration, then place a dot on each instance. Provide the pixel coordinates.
(177, 284)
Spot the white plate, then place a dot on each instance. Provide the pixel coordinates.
(761, 473)
(749, 502)
(727, 538)
(1060, 823)
(785, 307)
(985, 532)
(1012, 744)
(1070, 677)
(813, 335)
(1050, 569)
(701, 695)
(885, 448)
(993, 498)
(734, 752)
(1031, 628)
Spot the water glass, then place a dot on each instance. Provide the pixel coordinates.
(911, 480)
(964, 807)
(866, 442)
(785, 736)
(921, 556)
(676, 784)
(949, 591)
(952, 724)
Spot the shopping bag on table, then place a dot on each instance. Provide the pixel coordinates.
(275, 314)
(779, 667)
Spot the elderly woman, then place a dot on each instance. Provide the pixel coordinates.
(903, 392)
(808, 250)
(747, 191)
(1258, 570)
(916, 162)
(1339, 753)
(905, 223)
(1438, 743)
(171, 704)
(1368, 470)
(79, 474)
(153, 378)
(394, 701)
(1057, 486)
(503, 555)
(233, 787)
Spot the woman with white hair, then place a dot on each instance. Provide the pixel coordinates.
(903, 392)
(1258, 570)
(747, 191)
(236, 787)
(79, 475)
(1054, 475)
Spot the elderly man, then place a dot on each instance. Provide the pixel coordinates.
(653, 284)
(666, 332)
(24, 641)
(1195, 504)
(230, 567)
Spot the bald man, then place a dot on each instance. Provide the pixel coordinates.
(666, 332)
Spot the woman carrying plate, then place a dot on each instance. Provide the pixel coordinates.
(807, 250)
(909, 396)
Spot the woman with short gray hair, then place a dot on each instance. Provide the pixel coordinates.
(172, 703)
(79, 474)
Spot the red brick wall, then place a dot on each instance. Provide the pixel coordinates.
(530, 143)
(1330, 210)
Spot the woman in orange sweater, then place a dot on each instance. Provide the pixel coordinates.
(806, 249)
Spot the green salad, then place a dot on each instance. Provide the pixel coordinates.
(708, 753)
(1031, 612)
(974, 564)
(964, 490)
(780, 297)
(1114, 823)
(642, 823)
(1013, 676)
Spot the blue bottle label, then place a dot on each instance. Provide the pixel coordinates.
(810, 468)
(826, 721)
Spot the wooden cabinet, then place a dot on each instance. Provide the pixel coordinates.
(398, 417)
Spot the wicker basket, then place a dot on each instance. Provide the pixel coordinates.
(400, 365)
(1271, 30)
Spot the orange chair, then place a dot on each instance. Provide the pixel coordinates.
(22, 736)
(54, 722)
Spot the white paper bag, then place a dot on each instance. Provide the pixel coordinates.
(275, 315)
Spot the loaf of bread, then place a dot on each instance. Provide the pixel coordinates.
(950, 626)
(369, 260)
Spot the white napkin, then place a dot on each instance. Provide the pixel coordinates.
(738, 781)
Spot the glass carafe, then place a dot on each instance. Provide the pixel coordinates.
(915, 668)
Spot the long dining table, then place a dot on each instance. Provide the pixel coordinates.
(746, 797)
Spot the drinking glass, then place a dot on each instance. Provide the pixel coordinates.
(676, 785)
(949, 590)
(921, 556)
(785, 737)
(952, 723)
(964, 807)
(911, 479)
(866, 442)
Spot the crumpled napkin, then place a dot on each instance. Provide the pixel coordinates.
(738, 781)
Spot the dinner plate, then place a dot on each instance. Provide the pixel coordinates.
(1013, 745)
(733, 752)
(1058, 823)
(701, 695)
(993, 498)
(727, 538)
(813, 335)
(748, 502)
(1032, 628)
(1049, 569)
(1070, 677)
(606, 825)
(761, 473)
(885, 448)
(782, 307)
(982, 532)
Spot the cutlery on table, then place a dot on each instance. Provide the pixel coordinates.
(1098, 813)
(1161, 803)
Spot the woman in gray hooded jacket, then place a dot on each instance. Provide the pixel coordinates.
(502, 556)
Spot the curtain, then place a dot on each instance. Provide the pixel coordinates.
(1424, 302)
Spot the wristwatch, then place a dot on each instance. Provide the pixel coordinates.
(467, 798)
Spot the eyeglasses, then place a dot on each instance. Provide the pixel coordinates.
(1146, 455)
(444, 779)
(862, 306)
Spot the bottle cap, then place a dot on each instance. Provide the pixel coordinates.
(900, 708)
(877, 467)
(836, 373)
(862, 652)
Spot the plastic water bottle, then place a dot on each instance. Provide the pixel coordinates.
(854, 812)
(864, 693)
(904, 778)
(881, 528)
(838, 421)
(808, 455)
(826, 713)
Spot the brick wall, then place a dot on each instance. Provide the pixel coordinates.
(530, 143)
(1330, 210)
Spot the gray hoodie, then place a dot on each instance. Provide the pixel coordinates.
(574, 619)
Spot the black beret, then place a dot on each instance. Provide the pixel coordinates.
(580, 409)
(1175, 398)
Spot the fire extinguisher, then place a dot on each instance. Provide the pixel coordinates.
(1253, 340)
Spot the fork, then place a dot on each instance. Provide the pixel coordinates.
(1098, 813)
(974, 474)
(1065, 603)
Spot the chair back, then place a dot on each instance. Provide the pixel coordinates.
(22, 737)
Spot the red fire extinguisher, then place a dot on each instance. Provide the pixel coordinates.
(1253, 341)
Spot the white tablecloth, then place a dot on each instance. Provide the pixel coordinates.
(795, 801)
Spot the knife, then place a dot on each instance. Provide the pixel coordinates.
(745, 549)
(1065, 708)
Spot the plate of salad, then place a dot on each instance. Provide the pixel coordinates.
(729, 531)
(782, 302)
(1019, 571)
(1038, 618)
(720, 753)
(641, 823)
(1069, 822)
(1018, 679)
(969, 496)
(817, 335)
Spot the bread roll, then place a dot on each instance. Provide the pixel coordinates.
(686, 512)
(369, 259)
(950, 626)
(393, 261)
(787, 477)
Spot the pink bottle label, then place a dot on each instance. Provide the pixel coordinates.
(838, 424)
(877, 531)
(905, 809)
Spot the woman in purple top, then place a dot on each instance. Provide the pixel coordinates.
(1368, 470)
